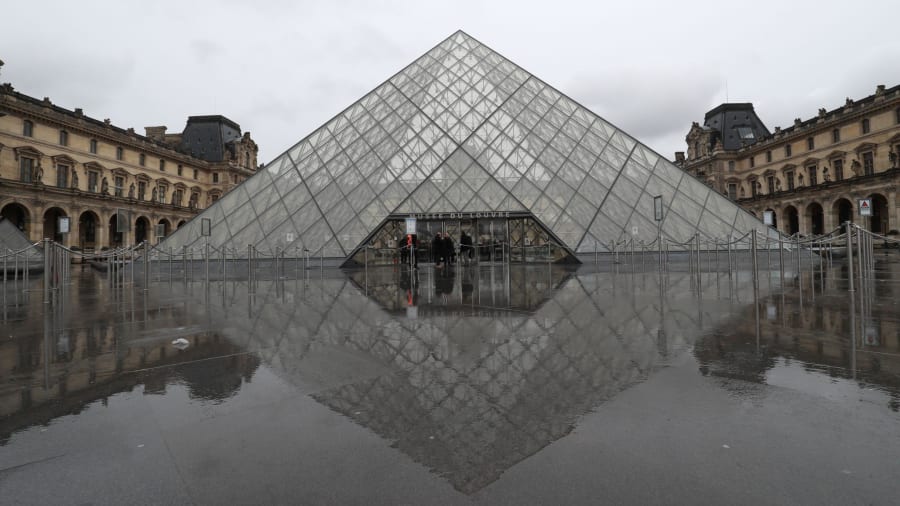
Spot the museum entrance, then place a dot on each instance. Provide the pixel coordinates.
(518, 239)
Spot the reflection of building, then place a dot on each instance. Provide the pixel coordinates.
(471, 387)
(464, 140)
(60, 163)
(88, 354)
(812, 337)
(810, 174)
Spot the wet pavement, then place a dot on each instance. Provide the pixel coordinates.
(475, 385)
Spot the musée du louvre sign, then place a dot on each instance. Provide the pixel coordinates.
(463, 215)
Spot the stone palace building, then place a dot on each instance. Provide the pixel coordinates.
(115, 186)
(811, 175)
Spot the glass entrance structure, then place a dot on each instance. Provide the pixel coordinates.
(512, 237)
(462, 138)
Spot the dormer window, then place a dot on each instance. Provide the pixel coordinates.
(746, 133)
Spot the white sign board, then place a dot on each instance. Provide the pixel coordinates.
(410, 225)
(769, 218)
(63, 225)
(865, 207)
(289, 237)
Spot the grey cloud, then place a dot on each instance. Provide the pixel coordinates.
(655, 105)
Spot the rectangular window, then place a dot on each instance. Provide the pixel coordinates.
(214, 197)
(768, 156)
(754, 188)
(195, 197)
(93, 179)
(789, 177)
(176, 197)
(730, 168)
(120, 186)
(866, 128)
(868, 163)
(63, 138)
(162, 165)
(836, 135)
(732, 191)
(812, 173)
(94, 146)
(142, 190)
(26, 169)
(838, 165)
(195, 173)
(142, 159)
(770, 182)
(28, 128)
(162, 193)
(787, 151)
(810, 143)
(120, 153)
(180, 168)
(752, 162)
(215, 177)
(62, 176)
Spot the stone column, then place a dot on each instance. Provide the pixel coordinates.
(893, 211)
(102, 232)
(802, 220)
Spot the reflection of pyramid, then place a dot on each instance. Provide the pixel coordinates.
(463, 130)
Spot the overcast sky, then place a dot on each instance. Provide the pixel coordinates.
(282, 68)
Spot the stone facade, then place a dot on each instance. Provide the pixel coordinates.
(60, 163)
(812, 174)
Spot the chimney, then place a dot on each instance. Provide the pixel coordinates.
(679, 157)
(156, 133)
(879, 90)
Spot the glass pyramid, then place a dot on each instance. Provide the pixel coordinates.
(463, 129)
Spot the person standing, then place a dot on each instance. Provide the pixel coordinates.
(448, 249)
(437, 248)
(465, 247)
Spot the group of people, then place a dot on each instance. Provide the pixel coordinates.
(443, 249)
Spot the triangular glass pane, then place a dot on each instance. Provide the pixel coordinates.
(443, 205)
(305, 217)
(606, 229)
(458, 194)
(616, 209)
(352, 234)
(722, 208)
(568, 229)
(558, 191)
(240, 217)
(477, 204)
(511, 204)
(592, 190)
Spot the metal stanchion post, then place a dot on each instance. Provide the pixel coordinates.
(753, 256)
(850, 256)
(250, 267)
(47, 268)
(146, 266)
